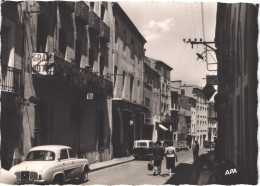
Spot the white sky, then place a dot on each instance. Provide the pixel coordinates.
(165, 24)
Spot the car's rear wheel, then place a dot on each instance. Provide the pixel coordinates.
(84, 176)
(58, 180)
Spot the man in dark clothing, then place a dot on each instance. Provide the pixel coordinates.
(195, 149)
(158, 154)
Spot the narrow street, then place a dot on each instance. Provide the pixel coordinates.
(136, 173)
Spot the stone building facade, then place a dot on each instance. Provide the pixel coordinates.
(59, 76)
(128, 109)
(151, 98)
(236, 101)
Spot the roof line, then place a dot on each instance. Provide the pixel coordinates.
(129, 20)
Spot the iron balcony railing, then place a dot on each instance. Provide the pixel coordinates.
(66, 72)
(104, 32)
(11, 79)
(82, 12)
(175, 107)
(94, 22)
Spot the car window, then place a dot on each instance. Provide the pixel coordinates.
(40, 155)
(72, 153)
(141, 144)
(63, 154)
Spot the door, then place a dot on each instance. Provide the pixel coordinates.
(76, 165)
(67, 164)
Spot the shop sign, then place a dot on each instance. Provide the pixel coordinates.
(41, 63)
(208, 91)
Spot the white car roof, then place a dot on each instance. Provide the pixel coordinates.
(143, 141)
(50, 147)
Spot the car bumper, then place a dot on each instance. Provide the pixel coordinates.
(31, 182)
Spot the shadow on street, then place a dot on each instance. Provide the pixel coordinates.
(183, 174)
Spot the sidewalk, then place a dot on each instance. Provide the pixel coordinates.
(110, 163)
(208, 171)
(191, 173)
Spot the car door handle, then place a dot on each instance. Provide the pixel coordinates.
(63, 163)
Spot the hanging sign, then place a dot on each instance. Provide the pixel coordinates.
(212, 79)
(208, 91)
(41, 63)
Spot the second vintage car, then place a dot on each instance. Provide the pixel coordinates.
(51, 164)
(143, 149)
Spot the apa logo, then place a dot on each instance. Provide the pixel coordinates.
(231, 171)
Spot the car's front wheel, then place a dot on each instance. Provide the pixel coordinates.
(84, 176)
(58, 180)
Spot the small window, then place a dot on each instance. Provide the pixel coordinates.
(63, 154)
(124, 40)
(102, 12)
(78, 52)
(101, 66)
(91, 58)
(115, 74)
(62, 42)
(116, 31)
(139, 54)
(133, 48)
(72, 153)
(92, 4)
(182, 92)
(123, 80)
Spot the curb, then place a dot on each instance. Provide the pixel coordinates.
(107, 166)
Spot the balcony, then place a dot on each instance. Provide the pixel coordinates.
(67, 73)
(82, 12)
(68, 5)
(176, 108)
(104, 32)
(94, 22)
(11, 80)
(166, 118)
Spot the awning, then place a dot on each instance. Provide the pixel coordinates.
(163, 127)
(130, 106)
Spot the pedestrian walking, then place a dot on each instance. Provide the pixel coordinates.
(195, 148)
(171, 156)
(158, 154)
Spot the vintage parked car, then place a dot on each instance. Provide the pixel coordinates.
(143, 149)
(183, 145)
(51, 164)
(176, 146)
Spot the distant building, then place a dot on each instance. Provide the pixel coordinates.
(151, 99)
(175, 106)
(128, 104)
(163, 97)
(213, 122)
(236, 101)
(195, 111)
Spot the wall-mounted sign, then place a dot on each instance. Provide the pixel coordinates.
(41, 63)
(208, 91)
(212, 79)
(90, 95)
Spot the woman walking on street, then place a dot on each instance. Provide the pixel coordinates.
(158, 154)
(171, 156)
